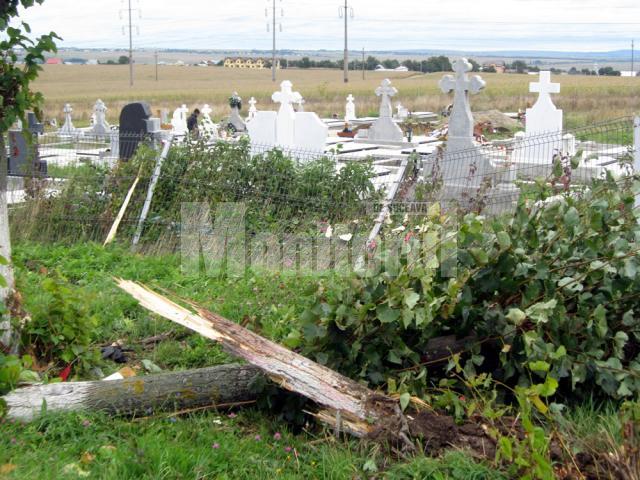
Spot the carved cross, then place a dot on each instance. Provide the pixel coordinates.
(544, 87)
(461, 121)
(386, 91)
(350, 98)
(286, 96)
(252, 104)
(206, 111)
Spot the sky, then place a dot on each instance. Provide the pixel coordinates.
(467, 25)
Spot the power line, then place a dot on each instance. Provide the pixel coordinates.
(348, 13)
(129, 11)
(273, 26)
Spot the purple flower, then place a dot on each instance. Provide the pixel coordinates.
(215, 445)
(287, 449)
(86, 423)
(232, 415)
(13, 441)
(257, 438)
(277, 436)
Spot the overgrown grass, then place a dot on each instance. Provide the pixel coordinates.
(198, 445)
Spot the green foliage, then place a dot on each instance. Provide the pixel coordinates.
(549, 292)
(61, 329)
(15, 78)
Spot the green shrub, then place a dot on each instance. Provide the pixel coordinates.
(60, 330)
(548, 292)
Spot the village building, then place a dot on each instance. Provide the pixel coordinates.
(248, 63)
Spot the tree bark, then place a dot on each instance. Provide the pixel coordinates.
(7, 338)
(348, 405)
(216, 386)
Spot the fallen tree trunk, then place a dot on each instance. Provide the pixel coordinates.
(215, 386)
(349, 406)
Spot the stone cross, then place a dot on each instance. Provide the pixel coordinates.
(206, 112)
(350, 109)
(285, 124)
(544, 117)
(252, 108)
(100, 125)
(386, 91)
(461, 120)
(208, 127)
(67, 127)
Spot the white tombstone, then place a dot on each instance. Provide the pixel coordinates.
(385, 129)
(179, 120)
(100, 125)
(461, 121)
(403, 112)
(252, 108)
(296, 131)
(208, 128)
(350, 109)
(301, 103)
(68, 128)
(544, 117)
(463, 167)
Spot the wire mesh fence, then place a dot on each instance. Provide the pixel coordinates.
(175, 194)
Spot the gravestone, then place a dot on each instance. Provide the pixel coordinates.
(100, 126)
(24, 155)
(179, 120)
(208, 128)
(68, 128)
(403, 112)
(350, 109)
(301, 103)
(236, 123)
(252, 108)
(384, 128)
(467, 175)
(134, 127)
(543, 117)
(287, 128)
(461, 121)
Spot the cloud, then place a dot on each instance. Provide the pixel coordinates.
(580, 25)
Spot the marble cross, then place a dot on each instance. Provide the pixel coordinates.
(285, 122)
(544, 87)
(206, 112)
(286, 96)
(67, 127)
(386, 91)
(252, 108)
(350, 109)
(544, 117)
(461, 120)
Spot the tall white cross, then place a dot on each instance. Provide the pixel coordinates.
(386, 91)
(461, 120)
(67, 127)
(206, 112)
(544, 87)
(252, 108)
(285, 123)
(350, 109)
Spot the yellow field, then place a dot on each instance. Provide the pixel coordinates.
(584, 99)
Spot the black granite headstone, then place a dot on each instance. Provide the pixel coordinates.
(24, 156)
(133, 127)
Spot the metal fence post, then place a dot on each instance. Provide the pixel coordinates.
(152, 186)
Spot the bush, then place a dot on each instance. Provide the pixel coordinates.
(549, 292)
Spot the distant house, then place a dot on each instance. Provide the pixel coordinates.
(53, 61)
(497, 67)
(629, 74)
(245, 63)
(92, 61)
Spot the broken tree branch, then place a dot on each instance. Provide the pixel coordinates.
(215, 386)
(360, 410)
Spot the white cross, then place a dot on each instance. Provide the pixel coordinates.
(544, 86)
(350, 98)
(252, 104)
(286, 96)
(461, 120)
(206, 111)
(386, 91)
(67, 109)
(460, 83)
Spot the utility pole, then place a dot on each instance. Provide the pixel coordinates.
(348, 13)
(633, 45)
(273, 26)
(156, 57)
(363, 63)
(129, 27)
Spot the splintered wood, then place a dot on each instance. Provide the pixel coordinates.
(348, 406)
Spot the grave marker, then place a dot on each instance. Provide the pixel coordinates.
(385, 129)
(134, 126)
(543, 117)
(350, 109)
(252, 108)
(67, 127)
(100, 126)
